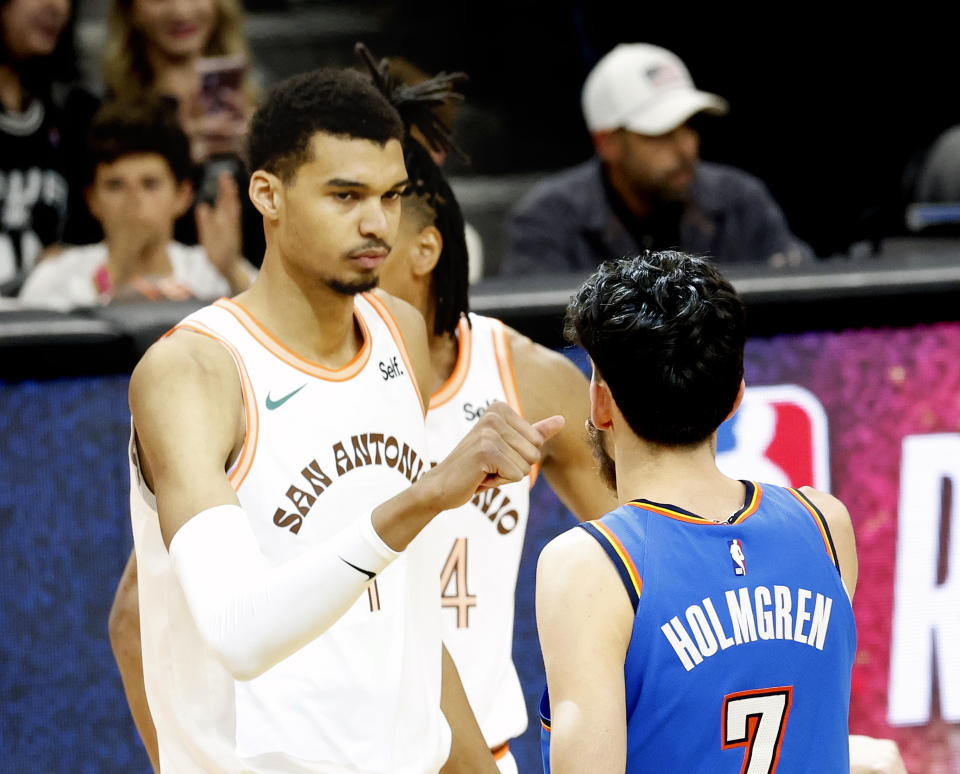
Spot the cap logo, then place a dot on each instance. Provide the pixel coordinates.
(663, 75)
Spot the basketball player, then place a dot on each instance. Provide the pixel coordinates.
(278, 477)
(716, 632)
(476, 361)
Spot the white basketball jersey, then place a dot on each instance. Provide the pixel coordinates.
(477, 547)
(323, 446)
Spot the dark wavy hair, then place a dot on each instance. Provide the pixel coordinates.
(665, 331)
(336, 101)
(429, 195)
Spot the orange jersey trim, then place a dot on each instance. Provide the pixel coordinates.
(460, 370)
(508, 377)
(500, 751)
(248, 450)
(821, 522)
(675, 513)
(628, 564)
(279, 350)
(391, 322)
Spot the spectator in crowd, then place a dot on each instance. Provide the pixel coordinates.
(140, 185)
(646, 188)
(43, 115)
(195, 52)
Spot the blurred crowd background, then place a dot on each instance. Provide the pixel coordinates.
(840, 118)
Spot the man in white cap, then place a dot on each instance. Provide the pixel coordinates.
(646, 187)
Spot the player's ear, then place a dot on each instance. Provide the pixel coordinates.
(601, 404)
(266, 193)
(426, 252)
(738, 399)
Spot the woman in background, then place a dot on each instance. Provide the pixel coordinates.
(165, 47)
(43, 120)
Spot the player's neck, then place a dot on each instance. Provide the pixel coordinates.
(686, 477)
(313, 320)
(444, 352)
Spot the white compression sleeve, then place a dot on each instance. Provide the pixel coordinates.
(253, 614)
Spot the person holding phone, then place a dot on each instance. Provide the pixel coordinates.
(195, 52)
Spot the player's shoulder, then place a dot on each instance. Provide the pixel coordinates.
(547, 379)
(834, 511)
(408, 317)
(569, 554)
(838, 520)
(182, 362)
(530, 357)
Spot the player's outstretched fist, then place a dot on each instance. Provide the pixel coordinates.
(501, 447)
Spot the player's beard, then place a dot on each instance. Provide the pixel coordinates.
(606, 464)
(345, 288)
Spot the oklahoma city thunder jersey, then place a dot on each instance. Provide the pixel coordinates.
(476, 548)
(743, 637)
(322, 447)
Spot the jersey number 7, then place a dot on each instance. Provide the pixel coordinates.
(756, 720)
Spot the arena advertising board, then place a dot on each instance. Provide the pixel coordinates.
(873, 417)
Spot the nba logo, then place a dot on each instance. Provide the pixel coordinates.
(777, 436)
(739, 560)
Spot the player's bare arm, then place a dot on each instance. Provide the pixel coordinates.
(124, 626)
(584, 631)
(187, 412)
(469, 753)
(549, 383)
(841, 530)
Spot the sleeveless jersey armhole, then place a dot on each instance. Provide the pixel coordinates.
(508, 378)
(237, 471)
(619, 556)
(821, 523)
(391, 322)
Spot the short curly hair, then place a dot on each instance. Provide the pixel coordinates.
(336, 101)
(666, 332)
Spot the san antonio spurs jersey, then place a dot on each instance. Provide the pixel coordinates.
(478, 545)
(322, 446)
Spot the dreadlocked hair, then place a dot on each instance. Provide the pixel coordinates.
(429, 192)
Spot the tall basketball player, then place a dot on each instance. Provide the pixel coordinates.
(279, 473)
(716, 632)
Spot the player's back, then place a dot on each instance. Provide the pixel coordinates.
(743, 637)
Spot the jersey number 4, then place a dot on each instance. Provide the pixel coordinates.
(756, 720)
(455, 569)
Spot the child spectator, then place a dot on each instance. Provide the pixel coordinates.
(162, 48)
(139, 187)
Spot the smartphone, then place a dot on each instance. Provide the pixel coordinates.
(221, 83)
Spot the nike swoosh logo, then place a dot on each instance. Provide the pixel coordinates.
(369, 574)
(273, 404)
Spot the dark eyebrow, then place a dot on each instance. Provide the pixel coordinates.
(339, 182)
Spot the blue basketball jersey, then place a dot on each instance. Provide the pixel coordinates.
(743, 638)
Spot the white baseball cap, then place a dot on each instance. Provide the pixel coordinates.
(645, 89)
